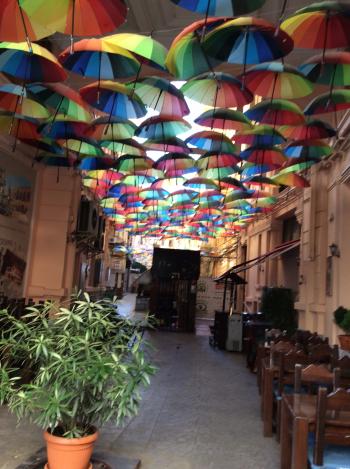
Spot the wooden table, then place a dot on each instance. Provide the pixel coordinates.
(298, 419)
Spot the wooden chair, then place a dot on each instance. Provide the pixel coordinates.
(332, 432)
(344, 366)
(309, 378)
(323, 353)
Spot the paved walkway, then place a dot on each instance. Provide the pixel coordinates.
(201, 412)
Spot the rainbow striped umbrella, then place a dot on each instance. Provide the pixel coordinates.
(333, 101)
(19, 100)
(30, 63)
(96, 58)
(138, 180)
(63, 127)
(276, 80)
(259, 135)
(313, 149)
(230, 183)
(331, 68)
(115, 128)
(123, 147)
(294, 165)
(312, 129)
(161, 95)
(217, 90)
(272, 156)
(212, 160)
(258, 182)
(146, 50)
(212, 141)
(218, 173)
(247, 40)
(154, 195)
(162, 126)
(276, 112)
(55, 160)
(96, 163)
(220, 7)
(251, 169)
(201, 184)
(133, 164)
(224, 119)
(62, 99)
(82, 146)
(173, 145)
(175, 163)
(19, 126)
(113, 98)
(290, 179)
(186, 57)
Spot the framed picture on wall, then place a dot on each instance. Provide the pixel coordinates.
(329, 276)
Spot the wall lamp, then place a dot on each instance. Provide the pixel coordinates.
(335, 252)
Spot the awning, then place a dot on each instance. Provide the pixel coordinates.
(277, 251)
(230, 277)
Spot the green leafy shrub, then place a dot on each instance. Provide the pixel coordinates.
(345, 325)
(339, 315)
(88, 364)
(277, 303)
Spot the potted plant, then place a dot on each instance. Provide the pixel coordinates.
(277, 304)
(342, 319)
(88, 364)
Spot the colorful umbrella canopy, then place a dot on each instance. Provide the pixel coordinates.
(217, 90)
(162, 126)
(161, 95)
(96, 163)
(62, 99)
(258, 181)
(127, 146)
(290, 179)
(321, 25)
(293, 165)
(82, 146)
(224, 119)
(211, 141)
(331, 68)
(96, 58)
(17, 99)
(313, 149)
(62, 127)
(259, 135)
(146, 50)
(113, 98)
(333, 101)
(276, 112)
(276, 80)
(220, 7)
(87, 17)
(30, 63)
(114, 128)
(247, 40)
(218, 173)
(230, 183)
(201, 184)
(133, 163)
(217, 160)
(186, 57)
(55, 160)
(18, 126)
(264, 155)
(173, 144)
(174, 164)
(312, 129)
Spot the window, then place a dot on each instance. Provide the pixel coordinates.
(291, 229)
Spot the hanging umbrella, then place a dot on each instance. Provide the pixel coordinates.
(18, 126)
(220, 7)
(276, 112)
(63, 127)
(264, 155)
(218, 173)
(146, 50)
(258, 181)
(201, 184)
(230, 183)
(55, 160)
(331, 68)
(251, 169)
(87, 17)
(211, 141)
(154, 195)
(217, 90)
(46, 144)
(173, 144)
(30, 63)
(175, 163)
(276, 80)
(115, 128)
(96, 58)
(123, 147)
(161, 95)
(171, 184)
(247, 40)
(108, 177)
(96, 163)
(186, 57)
(17, 99)
(312, 129)
(133, 163)
(217, 160)
(320, 25)
(82, 146)
(138, 180)
(113, 98)
(162, 127)
(293, 180)
(313, 149)
(62, 99)
(19, 22)
(259, 135)
(224, 119)
(294, 165)
(333, 101)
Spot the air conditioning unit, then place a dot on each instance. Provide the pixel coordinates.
(234, 342)
(88, 219)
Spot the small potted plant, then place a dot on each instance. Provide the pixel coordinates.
(342, 319)
(87, 363)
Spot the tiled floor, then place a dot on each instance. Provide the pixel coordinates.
(201, 412)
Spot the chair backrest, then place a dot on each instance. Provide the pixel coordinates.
(315, 375)
(280, 348)
(287, 367)
(316, 339)
(343, 364)
(330, 426)
(323, 353)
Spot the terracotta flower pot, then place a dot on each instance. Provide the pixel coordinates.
(69, 453)
(344, 340)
